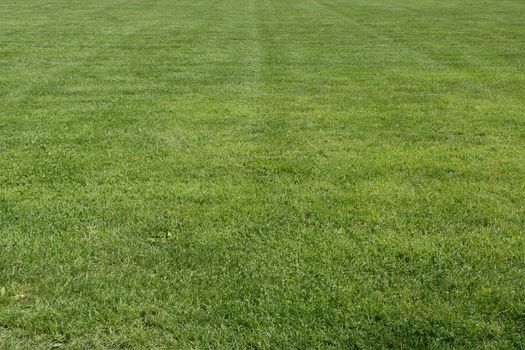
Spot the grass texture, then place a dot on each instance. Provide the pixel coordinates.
(262, 174)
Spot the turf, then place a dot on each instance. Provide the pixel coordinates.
(262, 174)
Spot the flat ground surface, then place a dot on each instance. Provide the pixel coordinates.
(262, 174)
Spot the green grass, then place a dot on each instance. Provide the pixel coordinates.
(262, 174)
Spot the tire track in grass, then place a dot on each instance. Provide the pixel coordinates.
(271, 236)
(237, 253)
(276, 132)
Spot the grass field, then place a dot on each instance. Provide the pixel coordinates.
(262, 174)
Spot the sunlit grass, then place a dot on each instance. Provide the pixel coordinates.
(262, 174)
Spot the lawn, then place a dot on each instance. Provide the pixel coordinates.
(262, 174)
